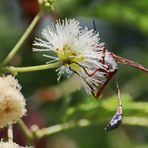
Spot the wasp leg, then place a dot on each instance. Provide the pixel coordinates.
(117, 119)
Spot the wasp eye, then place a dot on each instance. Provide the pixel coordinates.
(100, 60)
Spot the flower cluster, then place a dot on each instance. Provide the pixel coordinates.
(12, 102)
(79, 51)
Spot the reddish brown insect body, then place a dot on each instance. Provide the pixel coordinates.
(109, 72)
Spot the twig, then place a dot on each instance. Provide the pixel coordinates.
(10, 133)
(12, 69)
(22, 39)
(25, 129)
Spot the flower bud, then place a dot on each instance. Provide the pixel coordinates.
(47, 5)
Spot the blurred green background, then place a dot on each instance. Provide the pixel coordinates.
(123, 26)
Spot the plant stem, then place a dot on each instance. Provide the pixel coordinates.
(12, 69)
(22, 39)
(10, 133)
(60, 127)
(25, 129)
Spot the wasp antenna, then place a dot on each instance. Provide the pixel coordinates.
(94, 25)
(117, 119)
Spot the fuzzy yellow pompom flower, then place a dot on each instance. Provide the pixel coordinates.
(12, 102)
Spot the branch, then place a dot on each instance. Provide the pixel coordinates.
(15, 70)
(39, 133)
(22, 39)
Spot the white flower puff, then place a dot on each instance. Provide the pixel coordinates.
(79, 51)
(12, 102)
(11, 145)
